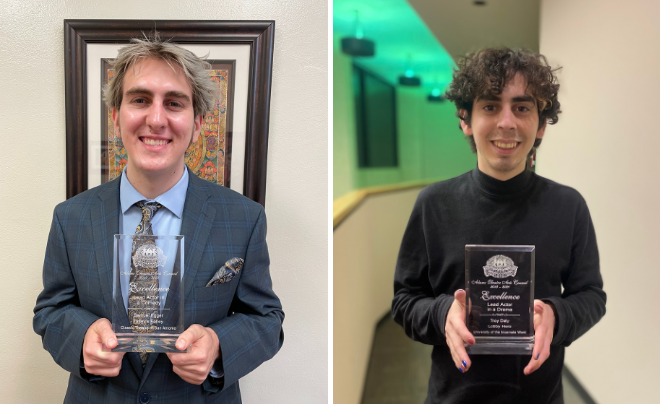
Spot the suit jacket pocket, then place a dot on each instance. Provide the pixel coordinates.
(215, 293)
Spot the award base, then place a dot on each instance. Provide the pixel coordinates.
(501, 348)
(146, 343)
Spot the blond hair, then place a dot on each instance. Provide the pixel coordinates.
(194, 68)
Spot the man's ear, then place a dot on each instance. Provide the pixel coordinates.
(198, 128)
(467, 129)
(541, 131)
(115, 121)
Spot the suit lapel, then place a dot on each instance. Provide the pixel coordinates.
(105, 224)
(198, 216)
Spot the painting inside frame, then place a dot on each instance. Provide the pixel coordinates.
(209, 158)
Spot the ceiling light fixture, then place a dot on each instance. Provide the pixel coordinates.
(435, 95)
(358, 45)
(409, 78)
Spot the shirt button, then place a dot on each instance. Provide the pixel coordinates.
(145, 398)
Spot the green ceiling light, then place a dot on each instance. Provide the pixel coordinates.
(435, 95)
(358, 45)
(409, 78)
(379, 18)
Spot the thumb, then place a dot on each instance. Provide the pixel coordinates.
(104, 331)
(538, 312)
(459, 296)
(538, 307)
(192, 334)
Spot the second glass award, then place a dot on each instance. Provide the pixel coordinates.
(499, 282)
(147, 304)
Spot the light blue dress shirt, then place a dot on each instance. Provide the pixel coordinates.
(166, 222)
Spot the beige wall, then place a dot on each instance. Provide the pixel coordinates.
(32, 179)
(606, 145)
(366, 245)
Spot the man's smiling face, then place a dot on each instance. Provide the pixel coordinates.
(156, 121)
(504, 128)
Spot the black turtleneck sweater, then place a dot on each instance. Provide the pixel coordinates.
(475, 208)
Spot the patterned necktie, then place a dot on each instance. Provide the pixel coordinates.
(143, 297)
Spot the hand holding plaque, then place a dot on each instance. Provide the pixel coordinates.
(544, 325)
(96, 358)
(456, 333)
(500, 298)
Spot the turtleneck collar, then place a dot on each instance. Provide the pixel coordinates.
(494, 187)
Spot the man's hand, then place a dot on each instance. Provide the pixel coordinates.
(544, 326)
(457, 333)
(195, 366)
(96, 361)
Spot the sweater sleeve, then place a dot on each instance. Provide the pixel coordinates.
(414, 306)
(582, 303)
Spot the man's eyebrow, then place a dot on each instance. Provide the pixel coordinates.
(489, 97)
(177, 94)
(523, 98)
(139, 90)
(169, 94)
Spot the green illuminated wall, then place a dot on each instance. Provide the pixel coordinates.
(431, 147)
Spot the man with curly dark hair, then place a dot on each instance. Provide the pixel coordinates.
(505, 99)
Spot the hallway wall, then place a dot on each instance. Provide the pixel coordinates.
(366, 245)
(430, 144)
(606, 146)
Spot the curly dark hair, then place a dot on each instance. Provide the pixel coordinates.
(488, 71)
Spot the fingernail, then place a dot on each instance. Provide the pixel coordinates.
(181, 344)
(471, 341)
(537, 355)
(111, 341)
(464, 364)
(461, 369)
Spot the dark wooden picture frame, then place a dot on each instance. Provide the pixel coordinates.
(259, 35)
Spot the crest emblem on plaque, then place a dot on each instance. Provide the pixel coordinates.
(500, 266)
(149, 256)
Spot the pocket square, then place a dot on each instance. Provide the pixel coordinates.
(227, 271)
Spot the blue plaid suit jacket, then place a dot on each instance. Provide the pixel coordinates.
(218, 224)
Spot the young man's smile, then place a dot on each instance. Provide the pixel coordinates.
(155, 142)
(505, 146)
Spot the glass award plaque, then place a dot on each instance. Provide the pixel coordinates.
(499, 310)
(147, 298)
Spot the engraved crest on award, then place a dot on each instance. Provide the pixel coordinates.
(499, 310)
(147, 298)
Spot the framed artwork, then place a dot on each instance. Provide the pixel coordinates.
(232, 148)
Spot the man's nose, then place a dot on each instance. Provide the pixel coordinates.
(156, 117)
(506, 119)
